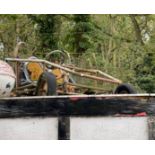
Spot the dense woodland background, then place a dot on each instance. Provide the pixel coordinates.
(121, 45)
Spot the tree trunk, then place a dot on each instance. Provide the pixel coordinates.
(137, 29)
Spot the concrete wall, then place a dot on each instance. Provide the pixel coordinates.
(109, 128)
(28, 128)
(80, 128)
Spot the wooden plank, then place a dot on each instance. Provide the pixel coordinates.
(63, 128)
(151, 127)
(84, 105)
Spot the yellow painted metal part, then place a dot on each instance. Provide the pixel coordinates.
(35, 70)
(59, 75)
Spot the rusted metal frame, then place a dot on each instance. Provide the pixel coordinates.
(28, 90)
(93, 71)
(17, 74)
(66, 93)
(85, 86)
(24, 89)
(79, 69)
(26, 86)
(18, 87)
(108, 76)
(44, 67)
(67, 70)
(59, 51)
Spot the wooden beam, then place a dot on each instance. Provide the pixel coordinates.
(63, 128)
(77, 105)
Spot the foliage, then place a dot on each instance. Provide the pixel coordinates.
(15, 28)
(146, 73)
(121, 45)
(79, 36)
(47, 28)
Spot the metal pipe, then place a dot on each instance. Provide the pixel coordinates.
(85, 86)
(65, 69)
(93, 71)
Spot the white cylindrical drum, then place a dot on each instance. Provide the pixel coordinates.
(7, 79)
